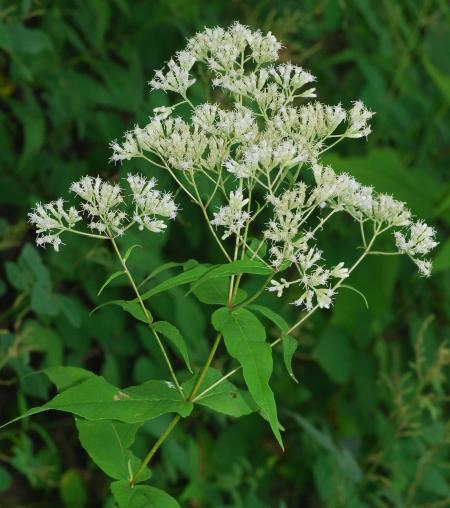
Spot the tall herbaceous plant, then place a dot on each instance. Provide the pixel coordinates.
(251, 161)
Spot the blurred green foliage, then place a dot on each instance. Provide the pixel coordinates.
(368, 423)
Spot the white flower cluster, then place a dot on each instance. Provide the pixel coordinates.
(419, 240)
(51, 220)
(251, 145)
(150, 203)
(232, 217)
(177, 78)
(291, 240)
(102, 204)
(216, 136)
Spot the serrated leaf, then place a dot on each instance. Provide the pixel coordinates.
(245, 337)
(96, 399)
(141, 496)
(115, 275)
(172, 333)
(133, 307)
(107, 442)
(225, 398)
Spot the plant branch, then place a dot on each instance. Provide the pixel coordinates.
(148, 317)
(173, 423)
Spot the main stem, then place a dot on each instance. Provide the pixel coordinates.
(147, 317)
(173, 423)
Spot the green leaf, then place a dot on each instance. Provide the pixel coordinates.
(384, 170)
(224, 398)
(66, 377)
(357, 291)
(5, 479)
(179, 280)
(202, 273)
(272, 316)
(334, 354)
(289, 345)
(20, 39)
(441, 80)
(72, 490)
(343, 457)
(215, 292)
(130, 250)
(133, 307)
(441, 261)
(107, 443)
(141, 496)
(96, 399)
(245, 337)
(250, 266)
(160, 269)
(115, 275)
(172, 333)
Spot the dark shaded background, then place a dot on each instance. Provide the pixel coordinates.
(368, 423)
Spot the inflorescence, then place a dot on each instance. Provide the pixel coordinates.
(104, 210)
(253, 146)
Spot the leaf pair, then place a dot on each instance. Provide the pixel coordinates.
(84, 394)
(245, 340)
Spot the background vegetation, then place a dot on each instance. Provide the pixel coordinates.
(368, 424)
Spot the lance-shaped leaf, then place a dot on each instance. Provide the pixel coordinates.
(250, 266)
(215, 292)
(179, 280)
(173, 334)
(290, 346)
(113, 276)
(107, 442)
(245, 340)
(141, 496)
(96, 399)
(224, 398)
(203, 273)
(288, 343)
(129, 251)
(133, 307)
(160, 269)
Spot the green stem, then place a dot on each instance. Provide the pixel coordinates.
(173, 423)
(205, 214)
(205, 368)
(255, 296)
(298, 323)
(148, 317)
